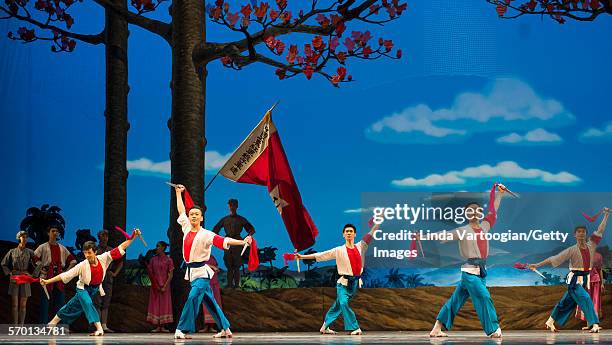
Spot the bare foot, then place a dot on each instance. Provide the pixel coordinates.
(96, 334)
(595, 328)
(357, 332)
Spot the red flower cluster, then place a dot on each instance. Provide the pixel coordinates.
(275, 46)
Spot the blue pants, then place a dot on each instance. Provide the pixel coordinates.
(575, 294)
(475, 287)
(82, 302)
(58, 298)
(341, 306)
(200, 289)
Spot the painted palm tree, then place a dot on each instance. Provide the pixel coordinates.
(37, 220)
(267, 254)
(395, 279)
(414, 280)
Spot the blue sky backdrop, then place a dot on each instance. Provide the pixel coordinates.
(474, 100)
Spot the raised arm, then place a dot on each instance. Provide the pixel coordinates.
(180, 206)
(602, 226)
(125, 244)
(495, 200)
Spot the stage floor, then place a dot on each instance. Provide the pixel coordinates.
(510, 337)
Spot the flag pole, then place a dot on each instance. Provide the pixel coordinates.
(219, 171)
(211, 181)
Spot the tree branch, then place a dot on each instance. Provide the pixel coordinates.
(557, 10)
(164, 30)
(91, 39)
(209, 51)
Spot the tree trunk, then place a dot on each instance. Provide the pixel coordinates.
(117, 126)
(186, 125)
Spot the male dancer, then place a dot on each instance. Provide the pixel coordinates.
(197, 243)
(91, 274)
(580, 264)
(475, 248)
(103, 302)
(233, 225)
(53, 258)
(349, 262)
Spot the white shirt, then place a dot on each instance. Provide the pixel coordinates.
(200, 249)
(343, 263)
(83, 270)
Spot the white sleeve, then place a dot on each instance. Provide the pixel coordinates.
(70, 274)
(326, 255)
(183, 220)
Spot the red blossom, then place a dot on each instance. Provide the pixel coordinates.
(349, 44)
(341, 57)
(215, 13)
(308, 71)
(501, 9)
(286, 17)
(226, 60)
(246, 10)
(293, 50)
(307, 49)
(333, 43)
(367, 51)
(260, 12)
(281, 4)
(280, 47)
(280, 73)
(323, 21)
(317, 43)
(232, 18)
(273, 15)
(388, 45)
(399, 54)
(340, 27)
(341, 72)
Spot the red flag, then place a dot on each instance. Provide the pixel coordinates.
(591, 218)
(188, 201)
(253, 256)
(288, 257)
(521, 266)
(261, 160)
(125, 234)
(24, 279)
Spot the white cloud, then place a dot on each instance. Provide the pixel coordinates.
(507, 170)
(596, 134)
(536, 136)
(506, 104)
(147, 165)
(359, 210)
(213, 161)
